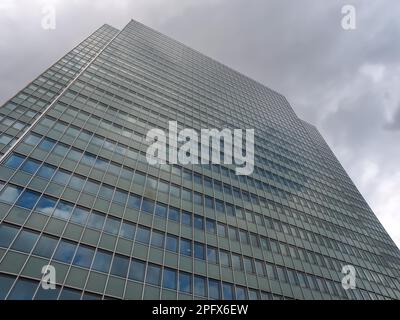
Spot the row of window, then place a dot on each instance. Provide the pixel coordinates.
(84, 256)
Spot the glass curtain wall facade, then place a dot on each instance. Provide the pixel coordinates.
(77, 193)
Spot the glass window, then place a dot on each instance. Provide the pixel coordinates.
(233, 234)
(45, 246)
(161, 210)
(46, 205)
(14, 161)
(153, 275)
(224, 258)
(127, 230)
(96, 220)
(173, 214)
(212, 254)
(199, 251)
(198, 199)
(157, 239)
(210, 226)
(148, 205)
(185, 282)
(23, 290)
(143, 234)
(120, 266)
(25, 241)
(83, 256)
(200, 286)
(46, 171)
(61, 177)
(79, 215)
(32, 139)
(136, 271)
(139, 178)
(221, 230)
(120, 196)
(5, 284)
(244, 236)
(27, 199)
(102, 261)
(112, 225)
(169, 278)
(241, 293)
(187, 218)
(76, 182)
(198, 222)
(65, 251)
(271, 271)
(186, 247)
(253, 295)
(46, 144)
(209, 202)
(237, 262)
(134, 201)
(70, 294)
(260, 268)
(106, 192)
(248, 265)
(171, 243)
(214, 289)
(282, 275)
(7, 234)
(63, 210)
(227, 290)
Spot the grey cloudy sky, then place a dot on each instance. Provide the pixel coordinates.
(345, 82)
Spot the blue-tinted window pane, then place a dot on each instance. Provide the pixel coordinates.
(70, 294)
(61, 177)
(120, 266)
(23, 290)
(46, 205)
(169, 278)
(210, 226)
(199, 251)
(28, 199)
(65, 251)
(79, 215)
(112, 225)
(200, 286)
(173, 214)
(45, 246)
(187, 218)
(46, 171)
(157, 239)
(5, 285)
(185, 282)
(212, 255)
(7, 234)
(83, 256)
(186, 247)
(30, 166)
(63, 210)
(198, 222)
(96, 220)
(46, 144)
(228, 291)
(134, 201)
(127, 230)
(102, 261)
(25, 241)
(153, 275)
(171, 243)
(161, 210)
(46, 294)
(14, 161)
(214, 289)
(148, 205)
(241, 293)
(136, 271)
(120, 197)
(143, 235)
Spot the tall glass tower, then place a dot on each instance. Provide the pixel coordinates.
(77, 194)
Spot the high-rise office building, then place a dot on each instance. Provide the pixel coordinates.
(77, 193)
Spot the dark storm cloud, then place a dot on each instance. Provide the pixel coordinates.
(344, 82)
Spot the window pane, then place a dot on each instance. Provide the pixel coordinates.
(153, 275)
(63, 210)
(157, 239)
(96, 220)
(228, 291)
(214, 289)
(169, 279)
(25, 241)
(172, 243)
(23, 290)
(199, 251)
(173, 214)
(212, 255)
(185, 282)
(45, 246)
(79, 215)
(127, 230)
(200, 286)
(186, 247)
(241, 293)
(14, 161)
(7, 234)
(136, 271)
(102, 261)
(83, 256)
(65, 251)
(46, 205)
(161, 210)
(198, 222)
(28, 199)
(120, 266)
(46, 171)
(143, 235)
(134, 201)
(30, 166)
(112, 225)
